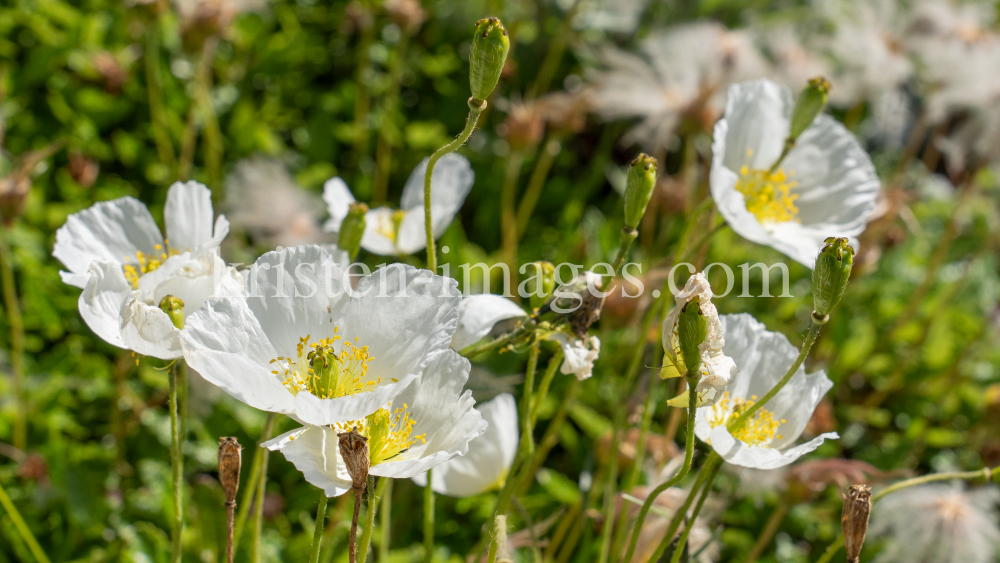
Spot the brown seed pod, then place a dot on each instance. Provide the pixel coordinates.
(230, 460)
(354, 450)
(857, 508)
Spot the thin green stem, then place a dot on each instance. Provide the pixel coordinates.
(473, 350)
(499, 530)
(551, 436)
(22, 527)
(318, 530)
(428, 520)
(385, 521)
(251, 490)
(386, 130)
(832, 549)
(710, 468)
(529, 200)
(610, 489)
(526, 447)
(628, 237)
(362, 99)
(200, 103)
(154, 91)
(176, 465)
(814, 329)
(688, 455)
(508, 213)
(13, 307)
(258, 517)
(679, 550)
(470, 125)
(374, 495)
(546, 382)
(557, 47)
(770, 528)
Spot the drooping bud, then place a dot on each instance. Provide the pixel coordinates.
(230, 460)
(854, 521)
(352, 229)
(830, 275)
(639, 188)
(354, 451)
(489, 53)
(174, 308)
(692, 329)
(810, 103)
(541, 283)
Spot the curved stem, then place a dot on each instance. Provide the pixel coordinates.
(710, 467)
(13, 307)
(679, 550)
(470, 126)
(373, 498)
(543, 386)
(317, 542)
(688, 455)
(428, 520)
(22, 527)
(258, 517)
(176, 465)
(628, 236)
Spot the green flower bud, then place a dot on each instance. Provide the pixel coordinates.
(541, 283)
(489, 52)
(692, 329)
(174, 308)
(831, 274)
(639, 188)
(351, 230)
(811, 103)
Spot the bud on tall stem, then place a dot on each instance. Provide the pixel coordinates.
(352, 229)
(692, 329)
(857, 508)
(490, 45)
(810, 103)
(831, 273)
(639, 188)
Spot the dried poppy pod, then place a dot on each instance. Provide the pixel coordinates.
(857, 508)
(230, 461)
(354, 450)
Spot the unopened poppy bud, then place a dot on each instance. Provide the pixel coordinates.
(810, 103)
(692, 329)
(354, 450)
(489, 52)
(230, 460)
(541, 283)
(830, 275)
(854, 521)
(174, 308)
(639, 188)
(352, 229)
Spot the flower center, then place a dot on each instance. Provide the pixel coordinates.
(387, 224)
(758, 430)
(768, 194)
(145, 263)
(388, 433)
(328, 368)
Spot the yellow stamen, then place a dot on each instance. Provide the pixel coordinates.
(768, 194)
(388, 225)
(388, 433)
(759, 430)
(142, 263)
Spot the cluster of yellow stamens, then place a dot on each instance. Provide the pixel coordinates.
(328, 368)
(388, 225)
(145, 263)
(758, 430)
(768, 194)
(388, 432)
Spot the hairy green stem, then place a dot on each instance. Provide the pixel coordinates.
(318, 530)
(13, 307)
(22, 527)
(679, 550)
(473, 350)
(176, 463)
(374, 495)
(628, 237)
(258, 517)
(710, 468)
(546, 382)
(470, 125)
(428, 520)
(499, 529)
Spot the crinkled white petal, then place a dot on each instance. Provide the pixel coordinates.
(490, 456)
(477, 314)
(110, 231)
(101, 301)
(338, 200)
(188, 216)
(837, 184)
(578, 355)
(452, 181)
(757, 457)
(147, 330)
(315, 451)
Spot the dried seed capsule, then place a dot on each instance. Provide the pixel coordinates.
(230, 460)
(857, 508)
(354, 450)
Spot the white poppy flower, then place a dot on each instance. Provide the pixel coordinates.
(766, 439)
(486, 465)
(427, 424)
(397, 232)
(115, 252)
(302, 343)
(825, 187)
(717, 369)
(578, 355)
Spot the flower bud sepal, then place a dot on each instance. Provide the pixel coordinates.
(831, 273)
(638, 189)
(490, 46)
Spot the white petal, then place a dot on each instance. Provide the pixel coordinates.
(315, 451)
(188, 216)
(452, 181)
(738, 453)
(443, 414)
(147, 330)
(478, 313)
(578, 356)
(489, 458)
(338, 200)
(110, 231)
(101, 301)
(223, 342)
(380, 232)
(310, 409)
(192, 277)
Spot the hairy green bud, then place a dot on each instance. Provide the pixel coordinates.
(692, 329)
(831, 274)
(639, 188)
(352, 229)
(810, 103)
(174, 308)
(541, 283)
(489, 52)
